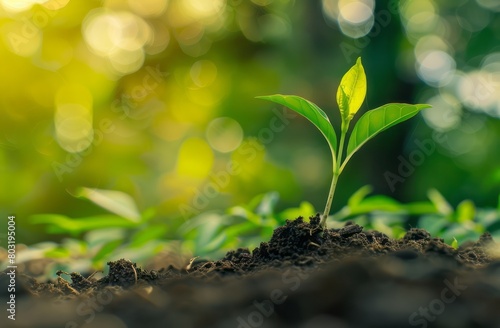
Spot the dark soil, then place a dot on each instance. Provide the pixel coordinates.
(302, 277)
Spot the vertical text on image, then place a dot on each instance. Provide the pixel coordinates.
(11, 268)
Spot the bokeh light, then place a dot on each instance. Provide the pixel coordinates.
(472, 17)
(489, 4)
(419, 17)
(20, 5)
(203, 73)
(224, 134)
(22, 39)
(435, 67)
(479, 90)
(354, 17)
(119, 37)
(148, 8)
(445, 113)
(73, 118)
(195, 159)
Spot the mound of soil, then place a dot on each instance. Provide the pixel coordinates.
(303, 277)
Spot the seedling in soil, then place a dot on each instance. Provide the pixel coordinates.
(350, 95)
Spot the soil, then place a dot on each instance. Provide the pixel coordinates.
(303, 277)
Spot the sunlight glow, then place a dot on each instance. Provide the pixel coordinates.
(148, 8)
(419, 18)
(445, 113)
(355, 12)
(224, 134)
(73, 118)
(20, 5)
(203, 73)
(23, 40)
(203, 8)
(195, 159)
(480, 91)
(435, 67)
(118, 36)
(354, 17)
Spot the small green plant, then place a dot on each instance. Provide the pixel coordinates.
(90, 241)
(459, 224)
(350, 95)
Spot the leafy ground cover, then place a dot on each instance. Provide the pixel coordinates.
(93, 241)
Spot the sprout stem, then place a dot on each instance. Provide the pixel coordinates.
(336, 173)
(329, 200)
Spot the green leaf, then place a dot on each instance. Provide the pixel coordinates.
(312, 112)
(440, 202)
(465, 211)
(378, 203)
(106, 249)
(98, 237)
(152, 232)
(419, 208)
(460, 232)
(489, 218)
(116, 202)
(242, 212)
(385, 223)
(241, 229)
(148, 214)
(62, 224)
(352, 91)
(359, 195)
(213, 245)
(435, 224)
(305, 210)
(143, 253)
(268, 203)
(57, 253)
(207, 228)
(454, 243)
(377, 120)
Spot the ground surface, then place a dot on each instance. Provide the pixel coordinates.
(302, 277)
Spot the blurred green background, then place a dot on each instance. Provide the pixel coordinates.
(155, 98)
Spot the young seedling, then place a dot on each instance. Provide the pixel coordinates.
(350, 95)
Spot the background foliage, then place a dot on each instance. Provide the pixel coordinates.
(156, 99)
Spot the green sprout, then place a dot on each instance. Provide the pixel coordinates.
(350, 95)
